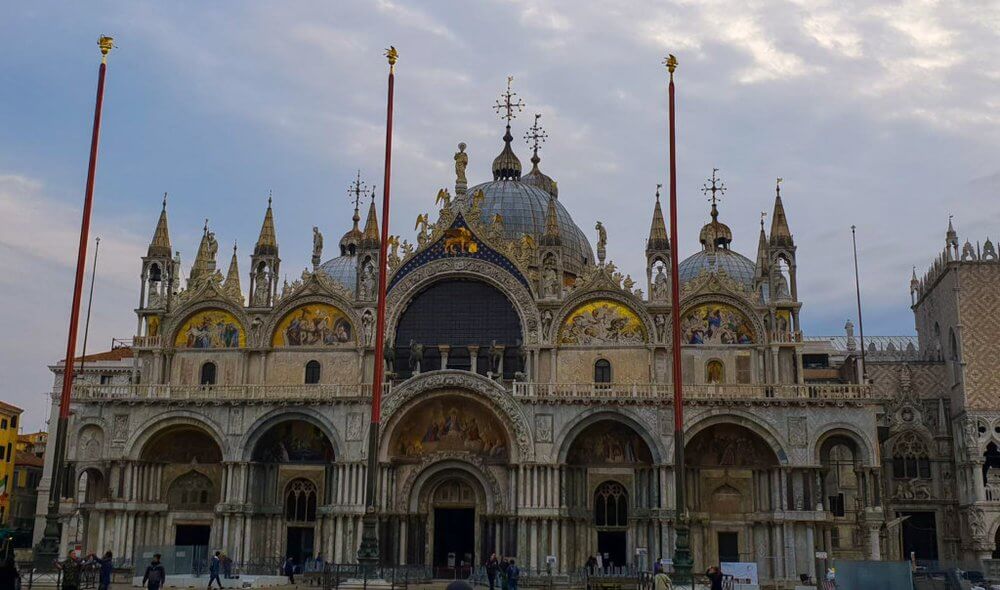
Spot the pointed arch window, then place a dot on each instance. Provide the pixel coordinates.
(313, 371)
(300, 501)
(611, 505)
(910, 457)
(208, 371)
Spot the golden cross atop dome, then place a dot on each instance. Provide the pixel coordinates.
(508, 108)
(535, 136)
(357, 189)
(717, 188)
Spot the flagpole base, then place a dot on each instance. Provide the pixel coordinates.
(683, 563)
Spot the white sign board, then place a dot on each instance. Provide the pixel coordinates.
(742, 572)
(821, 555)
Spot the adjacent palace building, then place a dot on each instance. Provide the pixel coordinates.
(528, 409)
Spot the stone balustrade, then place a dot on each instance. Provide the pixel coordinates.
(659, 391)
(248, 392)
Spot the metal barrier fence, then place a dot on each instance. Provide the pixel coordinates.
(38, 575)
(333, 575)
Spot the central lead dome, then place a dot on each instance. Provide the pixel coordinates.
(523, 208)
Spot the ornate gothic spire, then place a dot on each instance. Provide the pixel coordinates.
(551, 237)
(160, 245)
(267, 243)
(204, 262)
(780, 234)
(763, 250)
(506, 166)
(370, 237)
(658, 239)
(232, 283)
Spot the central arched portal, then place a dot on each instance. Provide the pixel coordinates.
(453, 503)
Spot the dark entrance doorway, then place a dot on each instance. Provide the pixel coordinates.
(454, 541)
(188, 535)
(300, 543)
(919, 535)
(729, 547)
(611, 546)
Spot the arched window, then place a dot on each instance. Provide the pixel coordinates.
(715, 372)
(910, 458)
(154, 273)
(300, 501)
(207, 374)
(312, 372)
(611, 505)
(602, 371)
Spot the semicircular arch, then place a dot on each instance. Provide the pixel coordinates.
(755, 320)
(286, 308)
(571, 431)
(620, 304)
(849, 431)
(740, 418)
(263, 425)
(209, 324)
(171, 419)
(416, 487)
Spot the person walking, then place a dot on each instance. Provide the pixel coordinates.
(714, 575)
(492, 567)
(227, 567)
(213, 569)
(289, 570)
(504, 568)
(70, 569)
(661, 581)
(155, 575)
(513, 575)
(106, 566)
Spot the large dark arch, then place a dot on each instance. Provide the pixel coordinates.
(182, 444)
(459, 313)
(608, 442)
(293, 441)
(728, 445)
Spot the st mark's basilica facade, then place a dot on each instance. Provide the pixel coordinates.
(527, 408)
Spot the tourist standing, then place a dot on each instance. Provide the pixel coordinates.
(9, 578)
(213, 569)
(290, 570)
(106, 568)
(513, 575)
(155, 574)
(504, 568)
(714, 575)
(661, 581)
(70, 571)
(227, 566)
(492, 567)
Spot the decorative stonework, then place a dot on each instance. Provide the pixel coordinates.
(416, 389)
(354, 427)
(798, 433)
(543, 428)
(443, 461)
(119, 428)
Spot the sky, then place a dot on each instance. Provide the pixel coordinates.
(881, 115)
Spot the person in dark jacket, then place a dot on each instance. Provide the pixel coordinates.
(155, 575)
(492, 567)
(213, 569)
(106, 568)
(513, 575)
(71, 569)
(714, 575)
(504, 568)
(9, 577)
(289, 570)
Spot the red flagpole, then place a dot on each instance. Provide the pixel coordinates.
(50, 542)
(682, 551)
(368, 552)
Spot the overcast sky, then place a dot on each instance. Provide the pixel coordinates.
(884, 116)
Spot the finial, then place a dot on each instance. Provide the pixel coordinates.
(373, 193)
(356, 189)
(535, 136)
(671, 62)
(270, 195)
(106, 44)
(777, 186)
(234, 246)
(659, 185)
(763, 214)
(164, 201)
(206, 225)
(509, 108)
(717, 189)
(392, 55)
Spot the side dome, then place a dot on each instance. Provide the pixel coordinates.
(343, 270)
(737, 266)
(523, 208)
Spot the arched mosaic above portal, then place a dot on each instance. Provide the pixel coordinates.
(450, 424)
(602, 321)
(314, 324)
(716, 323)
(211, 328)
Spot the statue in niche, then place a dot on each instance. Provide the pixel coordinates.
(260, 293)
(416, 356)
(368, 326)
(661, 326)
(522, 357)
(546, 322)
(661, 285)
(552, 286)
(461, 162)
(389, 356)
(317, 256)
(368, 281)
